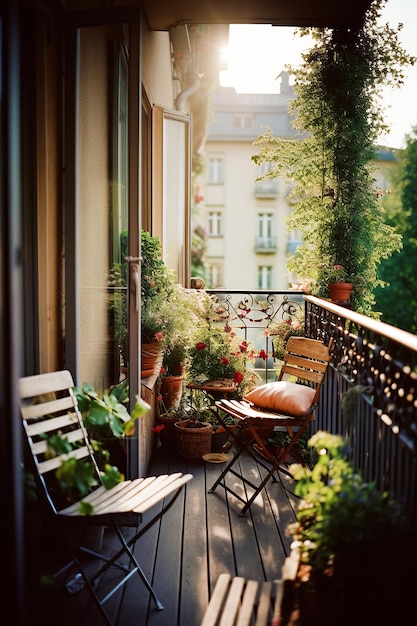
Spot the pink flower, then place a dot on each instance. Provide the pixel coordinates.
(159, 337)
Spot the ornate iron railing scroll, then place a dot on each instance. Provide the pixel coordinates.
(250, 313)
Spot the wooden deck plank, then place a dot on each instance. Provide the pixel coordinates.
(221, 557)
(194, 579)
(200, 537)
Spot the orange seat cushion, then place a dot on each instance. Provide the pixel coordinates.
(283, 397)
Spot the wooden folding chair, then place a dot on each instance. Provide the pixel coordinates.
(284, 405)
(49, 409)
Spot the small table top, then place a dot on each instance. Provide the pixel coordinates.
(224, 385)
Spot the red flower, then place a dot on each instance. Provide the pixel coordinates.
(200, 345)
(243, 346)
(238, 377)
(162, 370)
(158, 428)
(263, 355)
(224, 360)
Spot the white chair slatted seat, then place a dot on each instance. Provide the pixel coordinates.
(49, 407)
(279, 406)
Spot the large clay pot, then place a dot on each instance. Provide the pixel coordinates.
(149, 357)
(171, 391)
(193, 440)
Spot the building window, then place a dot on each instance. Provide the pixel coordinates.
(243, 121)
(265, 230)
(264, 277)
(215, 224)
(268, 187)
(215, 171)
(215, 275)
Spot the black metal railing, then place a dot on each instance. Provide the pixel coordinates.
(370, 396)
(370, 391)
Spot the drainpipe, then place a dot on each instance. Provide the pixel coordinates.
(181, 99)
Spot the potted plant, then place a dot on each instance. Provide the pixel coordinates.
(157, 286)
(177, 336)
(193, 435)
(218, 355)
(341, 537)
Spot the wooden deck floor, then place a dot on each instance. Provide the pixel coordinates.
(200, 537)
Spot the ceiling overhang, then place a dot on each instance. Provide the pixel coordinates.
(165, 14)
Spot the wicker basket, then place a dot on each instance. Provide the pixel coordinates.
(191, 442)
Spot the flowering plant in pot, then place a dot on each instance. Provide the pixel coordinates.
(219, 355)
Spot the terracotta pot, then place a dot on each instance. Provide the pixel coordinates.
(340, 292)
(149, 357)
(167, 434)
(192, 443)
(171, 390)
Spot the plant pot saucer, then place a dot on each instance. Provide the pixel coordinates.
(216, 457)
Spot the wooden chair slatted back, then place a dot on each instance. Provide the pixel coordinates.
(306, 359)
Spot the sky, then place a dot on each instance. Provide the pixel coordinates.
(258, 53)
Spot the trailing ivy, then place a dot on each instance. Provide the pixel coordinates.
(339, 115)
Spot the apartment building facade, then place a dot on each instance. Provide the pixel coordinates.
(245, 220)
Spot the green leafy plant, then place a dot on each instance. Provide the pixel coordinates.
(344, 525)
(337, 111)
(107, 419)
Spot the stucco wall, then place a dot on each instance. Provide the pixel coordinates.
(156, 68)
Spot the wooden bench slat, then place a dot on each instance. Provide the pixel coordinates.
(264, 606)
(248, 602)
(232, 605)
(216, 602)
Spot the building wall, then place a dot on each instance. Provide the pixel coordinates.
(236, 121)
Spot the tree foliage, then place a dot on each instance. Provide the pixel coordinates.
(398, 301)
(339, 116)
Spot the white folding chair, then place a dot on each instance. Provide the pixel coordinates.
(49, 409)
